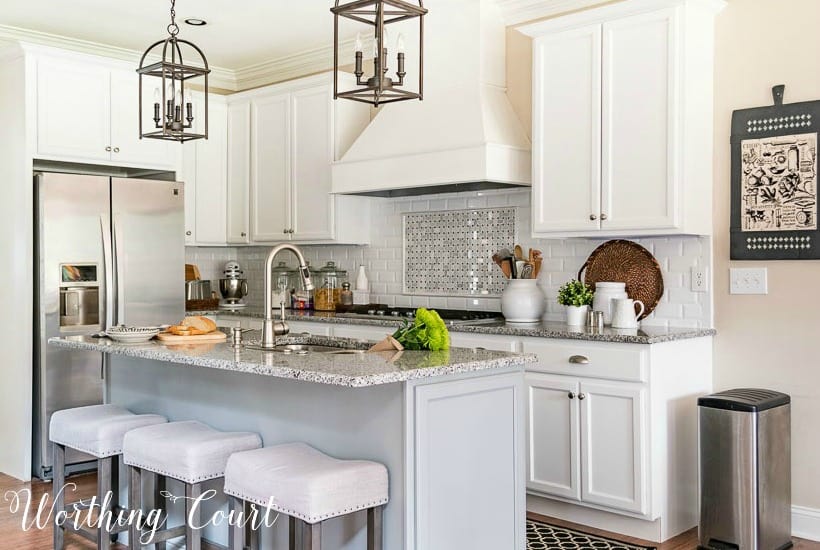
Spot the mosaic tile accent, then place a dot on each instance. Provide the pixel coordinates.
(450, 252)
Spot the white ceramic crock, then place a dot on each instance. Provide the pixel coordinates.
(605, 292)
(523, 301)
(577, 315)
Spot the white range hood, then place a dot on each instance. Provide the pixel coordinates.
(464, 135)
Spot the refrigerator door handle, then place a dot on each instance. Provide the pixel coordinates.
(108, 274)
(119, 299)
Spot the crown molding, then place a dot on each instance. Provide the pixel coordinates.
(516, 12)
(218, 78)
(304, 63)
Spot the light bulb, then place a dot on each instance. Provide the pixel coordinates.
(375, 47)
(179, 97)
(400, 43)
(188, 96)
(156, 95)
(169, 93)
(385, 38)
(358, 46)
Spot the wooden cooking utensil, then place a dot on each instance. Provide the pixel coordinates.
(191, 272)
(519, 252)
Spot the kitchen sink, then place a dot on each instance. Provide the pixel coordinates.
(306, 344)
(304, 349)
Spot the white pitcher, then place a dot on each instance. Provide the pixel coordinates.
(623, 313)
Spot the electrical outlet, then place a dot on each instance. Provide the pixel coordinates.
(700, 279)
(751, 280)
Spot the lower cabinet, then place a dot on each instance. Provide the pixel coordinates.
(587, 440)
(612, 433)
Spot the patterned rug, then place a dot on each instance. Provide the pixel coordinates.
(541, 536)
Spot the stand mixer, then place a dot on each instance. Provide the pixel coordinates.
(233, 287)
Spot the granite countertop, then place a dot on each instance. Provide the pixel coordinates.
(547, 329)
(351, 370)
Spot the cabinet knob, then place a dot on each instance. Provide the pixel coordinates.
(188, 233)
(571, 395)
(116, 149)
(593, 217)
(603, 217)
(579, 360)
(243, 234)
(108, 149)
(582, 396)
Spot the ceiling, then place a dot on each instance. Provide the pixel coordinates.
(234, 39)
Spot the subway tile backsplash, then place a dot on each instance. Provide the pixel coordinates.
(384, 260)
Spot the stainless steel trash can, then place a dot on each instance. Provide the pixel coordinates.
(745, 470)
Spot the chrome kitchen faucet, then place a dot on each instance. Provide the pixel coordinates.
(271, 329)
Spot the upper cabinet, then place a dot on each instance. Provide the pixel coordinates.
(204, 172)
(297, 131)
(87, 111)
(622, 142)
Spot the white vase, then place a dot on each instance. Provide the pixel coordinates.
(605, 292)
(577, 315)
(522, 301)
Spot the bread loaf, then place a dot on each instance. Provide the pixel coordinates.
(199, 325)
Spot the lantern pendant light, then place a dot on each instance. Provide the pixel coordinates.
(378, 88)
(173, 114)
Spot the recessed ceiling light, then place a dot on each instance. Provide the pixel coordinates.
(196, 22)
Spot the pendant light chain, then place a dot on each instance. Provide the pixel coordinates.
(173, 28)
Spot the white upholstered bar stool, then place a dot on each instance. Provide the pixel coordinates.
(97, 430)
(190, 452)
(309, 487)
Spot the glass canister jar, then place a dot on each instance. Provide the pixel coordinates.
(284, 282)
(328, 283)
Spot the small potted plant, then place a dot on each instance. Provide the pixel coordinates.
(577, 297)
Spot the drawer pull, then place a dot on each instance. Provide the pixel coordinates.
(582, 396)
(579, 360)
(571, 395)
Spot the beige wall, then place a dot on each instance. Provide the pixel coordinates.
(770, 341)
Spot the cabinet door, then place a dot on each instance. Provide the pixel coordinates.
(187, 176)
(567, 131)
(211, 175)
(239, 163)
(312, 154)
(553, 436)
(73, 110)
(639, 104)
(614, 465)
(270, 169)
(126, 145)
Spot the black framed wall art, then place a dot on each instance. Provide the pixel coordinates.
(774, 181)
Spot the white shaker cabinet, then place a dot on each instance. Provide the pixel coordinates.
(87, 112)
(622, 120)
(297, 131)
(612, 433)
(204, 172)
(239, 171)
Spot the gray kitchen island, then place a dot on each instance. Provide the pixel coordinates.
(449, 426)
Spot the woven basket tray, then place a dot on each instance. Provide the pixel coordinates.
(630, 263)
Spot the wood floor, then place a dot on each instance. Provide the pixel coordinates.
(13, 536)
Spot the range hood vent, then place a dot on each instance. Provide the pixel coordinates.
(464, 136)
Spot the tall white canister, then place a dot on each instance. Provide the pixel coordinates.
(605, 292)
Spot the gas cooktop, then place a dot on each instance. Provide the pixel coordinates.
(450, 316)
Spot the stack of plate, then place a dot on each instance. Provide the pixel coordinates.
(132, 335)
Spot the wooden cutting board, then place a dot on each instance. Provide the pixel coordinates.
(168, 338)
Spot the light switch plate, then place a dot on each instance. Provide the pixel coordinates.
(748, 280)
(700, 279)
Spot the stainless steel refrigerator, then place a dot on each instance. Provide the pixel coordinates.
(109, 251)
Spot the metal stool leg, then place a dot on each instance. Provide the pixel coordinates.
(58, 482)
(292, 526)
(374, 528)
(236, 533)
(311, 536)
(115, 491)
(159, 503)
(134, 503)
(103, 487)
(193, 539)
(251, 534)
